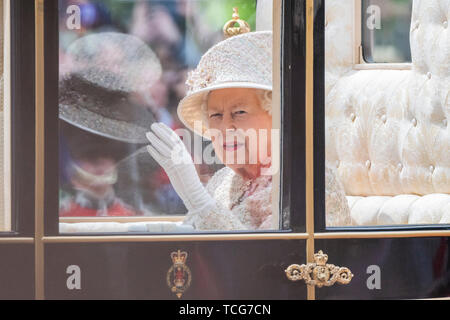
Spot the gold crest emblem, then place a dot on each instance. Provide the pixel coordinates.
(179, 275)
(319, 273)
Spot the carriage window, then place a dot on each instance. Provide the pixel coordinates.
(387, 143)
(5, 219)
(385, 30)
(166, 115)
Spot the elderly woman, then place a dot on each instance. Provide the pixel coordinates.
(229, 94)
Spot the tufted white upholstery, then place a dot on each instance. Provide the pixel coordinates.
(387, 131)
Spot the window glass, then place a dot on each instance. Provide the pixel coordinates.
(5, 218)
(387, 137)
(136, 82)
(385, 30)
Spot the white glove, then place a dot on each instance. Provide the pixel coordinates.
(169, 151)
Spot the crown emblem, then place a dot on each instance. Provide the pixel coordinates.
(320, 258)
(179, 276)
(179, 257)
(230, 29)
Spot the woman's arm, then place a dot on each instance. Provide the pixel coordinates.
(205, 213)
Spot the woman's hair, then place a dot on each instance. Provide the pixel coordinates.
(264, 96)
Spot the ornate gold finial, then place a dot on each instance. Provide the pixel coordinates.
(230, 29)
(319, 273)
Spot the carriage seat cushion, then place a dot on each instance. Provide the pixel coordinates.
(401, 209)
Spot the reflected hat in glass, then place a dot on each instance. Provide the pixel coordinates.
(241, 61)
(105, 86)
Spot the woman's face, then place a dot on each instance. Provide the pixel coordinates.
(241, 130)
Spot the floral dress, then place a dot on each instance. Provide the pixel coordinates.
(247, 204)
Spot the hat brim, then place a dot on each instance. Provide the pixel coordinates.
(190, 108)
(105, 127)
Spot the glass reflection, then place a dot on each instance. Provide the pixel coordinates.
(5, 136)
(125, 107)
(386, 31)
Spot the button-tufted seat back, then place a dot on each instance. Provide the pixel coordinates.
(387, 131)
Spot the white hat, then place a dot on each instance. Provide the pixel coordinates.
(242, 61)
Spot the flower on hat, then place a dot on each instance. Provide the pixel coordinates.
(199, 78)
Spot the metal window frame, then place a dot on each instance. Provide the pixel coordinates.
(19, 113)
